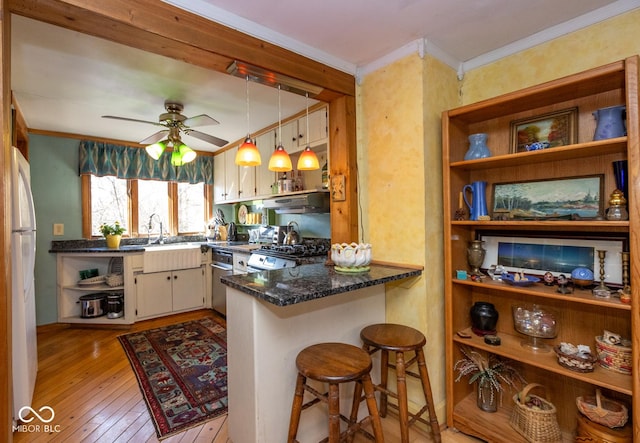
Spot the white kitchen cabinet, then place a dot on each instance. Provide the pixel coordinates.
(289, 137)
(225, 177)
(265, 178)
(160, 293)
(70, 288)
(246, 182)
(318, 128)
(240, 260)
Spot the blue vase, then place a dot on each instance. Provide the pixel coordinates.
(610, 122)
(477, 147)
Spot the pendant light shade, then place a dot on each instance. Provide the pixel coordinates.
(248, 153)
(186, 153)
(308, 160)
(155, 150)
(280, 160)
(176, 159)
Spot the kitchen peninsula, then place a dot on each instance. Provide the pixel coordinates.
(271, 316)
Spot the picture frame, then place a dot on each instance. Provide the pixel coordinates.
(571, 198)
(545, 131)
(559, 255)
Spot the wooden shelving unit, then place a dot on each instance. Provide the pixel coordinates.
(580, 315)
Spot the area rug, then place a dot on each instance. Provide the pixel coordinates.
(181, 371)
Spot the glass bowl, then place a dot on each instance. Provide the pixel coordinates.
(536, 323)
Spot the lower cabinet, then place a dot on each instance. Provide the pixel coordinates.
(161, 293)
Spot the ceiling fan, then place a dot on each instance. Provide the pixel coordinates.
(175, 123)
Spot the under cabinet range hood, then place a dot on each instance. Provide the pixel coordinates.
(315, 202)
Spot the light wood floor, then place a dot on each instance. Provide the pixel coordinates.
(86, 378)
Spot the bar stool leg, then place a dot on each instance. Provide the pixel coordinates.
(296, 408)
(334, 413)
(373, 408)
(355, 405)
(403, 407)
(428, 395)
(384, 376)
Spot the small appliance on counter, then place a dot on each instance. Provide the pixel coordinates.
(115, 305)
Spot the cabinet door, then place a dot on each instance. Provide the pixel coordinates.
(153, 297)
(219, 187)
(317, 127)
(231, 174)
(247, 181)
(188, 289)
(290, 136)
(264, 177)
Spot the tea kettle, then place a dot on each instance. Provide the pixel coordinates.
(292, 237)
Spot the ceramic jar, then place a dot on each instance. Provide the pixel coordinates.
(477, 147)
(484, 318)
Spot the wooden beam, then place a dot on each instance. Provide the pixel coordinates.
(158, 27)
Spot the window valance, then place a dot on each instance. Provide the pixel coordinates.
(99, 158)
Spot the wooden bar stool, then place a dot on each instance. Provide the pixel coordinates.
(401, 339)
(335, 363)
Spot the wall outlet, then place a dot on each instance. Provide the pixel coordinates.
(58, 229)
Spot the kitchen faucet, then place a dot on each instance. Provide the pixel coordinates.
(160, 239)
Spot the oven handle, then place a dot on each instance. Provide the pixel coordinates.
(222, 267)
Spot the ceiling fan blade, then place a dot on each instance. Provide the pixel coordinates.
(206, 137)
(132, 120)
(160, 135)
(200, 120)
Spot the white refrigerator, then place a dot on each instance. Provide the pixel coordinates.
(23, 256)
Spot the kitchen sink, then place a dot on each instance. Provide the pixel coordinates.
(169, 257)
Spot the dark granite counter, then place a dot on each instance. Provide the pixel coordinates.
(133, 245)
(289, 286)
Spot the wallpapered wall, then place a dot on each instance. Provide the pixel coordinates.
(400, 170)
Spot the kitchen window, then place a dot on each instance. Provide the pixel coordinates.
(183, 208)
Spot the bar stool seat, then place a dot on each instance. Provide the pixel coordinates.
(387, 337)
(335, 363)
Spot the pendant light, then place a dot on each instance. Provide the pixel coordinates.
(280, 161)
(248, 153)
(308, 160)
(156, 149)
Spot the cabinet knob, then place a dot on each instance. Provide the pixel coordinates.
(168, 277)
(175, 277)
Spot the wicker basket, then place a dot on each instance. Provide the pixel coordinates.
(603, 411)
(535, 425)
(616, 358)
(575, 363)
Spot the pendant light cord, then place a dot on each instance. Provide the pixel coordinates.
(279, 119)
(306, 102)
(247, 96)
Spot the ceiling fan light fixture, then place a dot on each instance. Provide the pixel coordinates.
(186, 153)
(176, 159)
(280, 160)
(156, 149)
(248, 153)
(308, 160)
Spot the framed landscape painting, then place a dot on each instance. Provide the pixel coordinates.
(572, 198)
(544, 131)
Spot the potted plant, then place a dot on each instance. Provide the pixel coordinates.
(490, 373)
(112, 233)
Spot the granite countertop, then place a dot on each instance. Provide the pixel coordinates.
(139, 245)
(289, 286)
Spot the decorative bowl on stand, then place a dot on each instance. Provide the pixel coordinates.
(536, 323)
(351, 258)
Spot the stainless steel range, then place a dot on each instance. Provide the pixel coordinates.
(269, 257)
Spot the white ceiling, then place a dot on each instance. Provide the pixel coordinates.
(65, 81)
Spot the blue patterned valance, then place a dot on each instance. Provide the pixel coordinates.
(102, 159)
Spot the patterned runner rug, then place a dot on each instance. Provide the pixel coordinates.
(181, 371)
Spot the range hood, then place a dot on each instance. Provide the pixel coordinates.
(314, 202)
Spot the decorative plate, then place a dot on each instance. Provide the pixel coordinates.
(242, 214)
(526, 281)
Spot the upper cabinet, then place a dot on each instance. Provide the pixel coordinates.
(233, 183)
(514, 218)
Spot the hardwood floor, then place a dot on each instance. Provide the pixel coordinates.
(86, 378)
